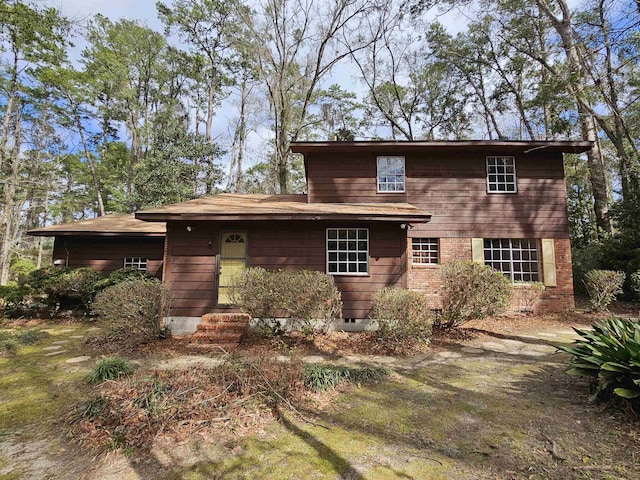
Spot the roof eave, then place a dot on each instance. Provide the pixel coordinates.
(69, 233)
(564, 146)
(396, 217)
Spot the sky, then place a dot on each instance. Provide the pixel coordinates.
(343, 74)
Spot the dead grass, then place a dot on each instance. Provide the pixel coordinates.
(238, 396)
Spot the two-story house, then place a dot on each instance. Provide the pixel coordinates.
(379, 214)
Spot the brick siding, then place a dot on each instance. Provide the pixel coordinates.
(426, 278)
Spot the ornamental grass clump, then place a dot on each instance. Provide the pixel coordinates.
(603, 286)
(319, 377)
(610, 354)
(110, 368)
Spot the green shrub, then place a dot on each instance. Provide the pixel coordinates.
(584, 260)
(404, 319)
(110, 368)
(120, 276)
(134, 307)
(528, 295)
(29, 337)
(320, 377)
(73, 288)
(10, 340)
(309, 299)
(603, 286)
(611, 355)
(472, 291)
(12, 294)
(21, 268)
(8, 346)
(65, 288)
(635, 284)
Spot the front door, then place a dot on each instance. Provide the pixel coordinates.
(233, 259)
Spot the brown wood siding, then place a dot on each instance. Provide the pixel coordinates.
(277, 245)
(106, 254)
(454, 190)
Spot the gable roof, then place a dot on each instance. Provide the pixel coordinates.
(405, 146)
(228, 206)
(109, 225)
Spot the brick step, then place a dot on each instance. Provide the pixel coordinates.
(211, 318)
(212, 347)
(221, 327)
(223, 337)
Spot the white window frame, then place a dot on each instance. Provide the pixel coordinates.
(139, 263)
(390, 179)
(514, 270)
(501, 166)
(426, 246)
(351, 254)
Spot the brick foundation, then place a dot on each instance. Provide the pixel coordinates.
(426, 278)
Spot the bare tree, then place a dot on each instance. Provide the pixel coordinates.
(299, 42)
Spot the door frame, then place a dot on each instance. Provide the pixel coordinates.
(222, 235)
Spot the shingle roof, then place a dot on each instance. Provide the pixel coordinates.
(403, 146)
(280, 207)
(109, 225)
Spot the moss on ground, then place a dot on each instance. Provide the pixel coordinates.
(486, 417)
(34, 388)
(493, 417)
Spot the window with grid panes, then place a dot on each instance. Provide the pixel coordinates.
(501, 175)
(391, 174)
(424, 251)
(139, 263)
(517, 258)
(347, 251)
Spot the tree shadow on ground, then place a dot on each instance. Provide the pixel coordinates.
(493, 416)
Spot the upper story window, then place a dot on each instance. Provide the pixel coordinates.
(501, 175)
(347, 251)
(391, 174)
(139, 263)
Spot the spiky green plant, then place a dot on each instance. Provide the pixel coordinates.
(326, 377)
(610, 353)
(110, 368)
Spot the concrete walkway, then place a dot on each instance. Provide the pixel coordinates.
(530, 345)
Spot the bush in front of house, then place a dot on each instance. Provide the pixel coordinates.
(610, 354)
(528, 295)
(72, 288)
(472, 291)
(603, 286)
(308, 299)
(404, 319)
(133, 307)
(120, 276)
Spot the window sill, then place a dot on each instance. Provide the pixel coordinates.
(425, 265)
(349, 274)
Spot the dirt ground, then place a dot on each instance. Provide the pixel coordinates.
(492, 402)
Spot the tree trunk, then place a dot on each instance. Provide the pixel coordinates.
(12, 207)
(577, 84)
(13, 85)
(88, 156)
